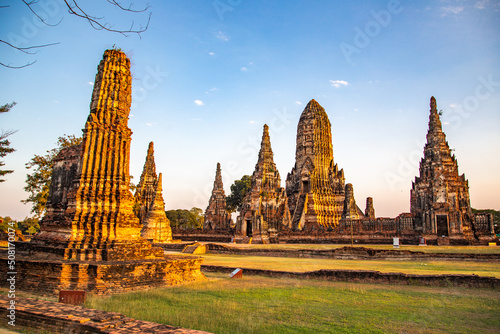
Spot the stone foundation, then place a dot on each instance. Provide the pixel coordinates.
(48, 277)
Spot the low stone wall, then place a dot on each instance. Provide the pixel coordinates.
(352, 253)
(48, 277)
(202, 237)
(370, 276)
(58, 318)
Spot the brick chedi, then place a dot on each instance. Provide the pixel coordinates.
(439, 195)
(146, 189)
(216, 215)
(370, 210)
(91, 239)
(265, 206)
(315, 186)
(351, 210)
(156, 226)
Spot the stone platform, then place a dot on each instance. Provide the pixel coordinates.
(63, 318)
(48, 277)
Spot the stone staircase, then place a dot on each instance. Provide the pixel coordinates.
(196, 248)
(299, 209)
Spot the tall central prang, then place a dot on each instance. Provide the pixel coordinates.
(315, 186)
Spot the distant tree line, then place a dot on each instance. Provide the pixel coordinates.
(186, 219)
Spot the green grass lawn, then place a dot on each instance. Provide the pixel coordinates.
(307, 264)
(256, 304)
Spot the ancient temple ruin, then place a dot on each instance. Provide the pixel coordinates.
(369, 210)
(90, 238)
(322, 207)
(351, 210)
(440, 195)
(216, 215)
(146, 188)
(315, 186)
(264, 210)
(149, 205)
(156, 226)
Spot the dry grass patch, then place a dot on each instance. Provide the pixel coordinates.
(308, 264)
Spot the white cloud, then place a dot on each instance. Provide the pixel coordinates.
(211, 90)
(451, 10)
(211, 53)
(453, 105)
(481, 4)
(338, 83)
(356, 109)
(55, 101)
(223, 37)
(243, 69)
(90, 83)
(446, 123)
(149, 124)
(298, 103)
(199, 102)
(252, 122)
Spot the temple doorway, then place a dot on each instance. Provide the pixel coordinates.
(305, 186)
(442, 225)
(249, 228)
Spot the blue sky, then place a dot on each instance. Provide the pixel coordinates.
(207, 75)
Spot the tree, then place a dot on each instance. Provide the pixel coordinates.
(75, 8)
(238, 191)
(6, 223)
(4, 142)
(198, 216)
(29, 225)
(38, 183)
(185, 219)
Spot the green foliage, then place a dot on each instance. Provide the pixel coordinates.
(496, 217)
(185, 219)
(7, 222)
(4, 142)
(38, 182)
(29, 225)
(238, 191)
(257, 304)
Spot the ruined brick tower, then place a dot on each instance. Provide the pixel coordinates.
(369, 210)
(440, 196)
(351, 210)
(146, 188)
(216, 216)
(98, 222)
(315, 186)
(156, 226)
(90, 238)
(265, 206)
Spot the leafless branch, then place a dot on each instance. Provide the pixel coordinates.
(29, 4)
(75, 9)
(17, 67)
(129, 9)
(25, 50)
